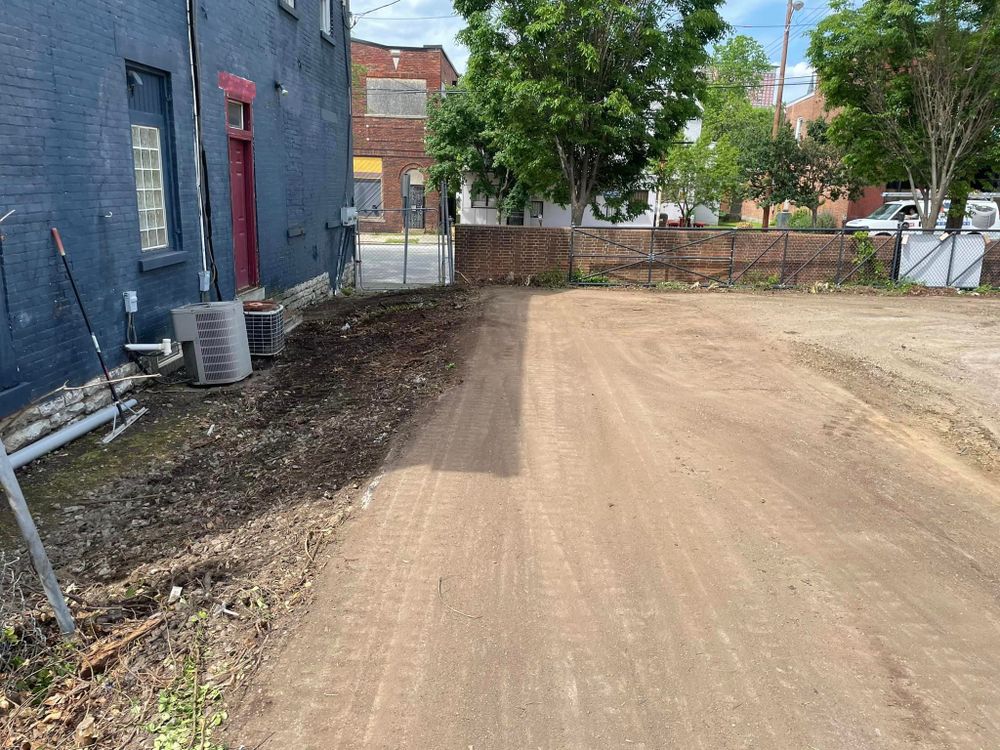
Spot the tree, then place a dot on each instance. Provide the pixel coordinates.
(696, 174)
(738, 65)
(460, 141)
(766, 164)
(919, 84)
(817, 172)
(591, 90)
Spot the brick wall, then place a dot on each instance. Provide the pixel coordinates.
(398, 141)
(507, 254)
(66, 161)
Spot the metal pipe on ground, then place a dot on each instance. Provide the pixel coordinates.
(70, 432)
(29, 531)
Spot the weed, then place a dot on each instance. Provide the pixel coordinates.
(760, 280)
(987, 289)
(871, 270)
(550, 279)
(589, 277)
(186, 714)
(676, 286)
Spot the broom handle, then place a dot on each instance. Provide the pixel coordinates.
(93, 337)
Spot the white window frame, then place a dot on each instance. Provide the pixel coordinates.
(798, 128)
(150, 190)
(325, 16)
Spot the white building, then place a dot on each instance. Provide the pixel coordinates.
(482, 210)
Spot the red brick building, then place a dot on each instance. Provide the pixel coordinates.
(799, 113)
(390, 112)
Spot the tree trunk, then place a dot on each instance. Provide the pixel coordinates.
(815, 215)
(956, 216)
(577, 210)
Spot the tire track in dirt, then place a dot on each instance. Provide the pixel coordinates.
(663, 531)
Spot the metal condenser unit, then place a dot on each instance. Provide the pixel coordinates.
(265, 321)
(213, 337)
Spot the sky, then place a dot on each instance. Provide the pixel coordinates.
(419, 22)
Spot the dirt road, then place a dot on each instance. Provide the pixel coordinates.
(652, 521)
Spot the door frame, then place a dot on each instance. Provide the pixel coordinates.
(243, 91)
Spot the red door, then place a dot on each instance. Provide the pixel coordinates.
(241, 186)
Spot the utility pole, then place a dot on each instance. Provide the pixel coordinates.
(792, 8)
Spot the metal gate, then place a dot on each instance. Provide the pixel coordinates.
(404, 247)
(779, 257)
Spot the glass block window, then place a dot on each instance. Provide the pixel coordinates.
(152, 158)
(148, 159)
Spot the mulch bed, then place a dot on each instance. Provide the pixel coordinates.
(187, 543)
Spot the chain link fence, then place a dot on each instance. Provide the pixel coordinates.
(398, 248)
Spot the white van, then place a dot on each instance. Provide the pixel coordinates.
(979, 215)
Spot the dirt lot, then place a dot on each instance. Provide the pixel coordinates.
(654, 520)
(227, 494)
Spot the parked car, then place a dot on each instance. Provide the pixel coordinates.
(886, 219)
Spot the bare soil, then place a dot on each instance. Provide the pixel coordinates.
(653, 520)
(227, 494)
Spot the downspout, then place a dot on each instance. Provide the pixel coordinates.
(208, 274)
(348, 232)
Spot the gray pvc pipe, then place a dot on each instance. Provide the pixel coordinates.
(70, 432)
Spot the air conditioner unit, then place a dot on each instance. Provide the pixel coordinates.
(213, 337)
(265, 321)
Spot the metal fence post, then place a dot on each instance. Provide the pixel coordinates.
(652, 244)
(951, 259)
(784, 259)
(572, 235)
(840, 258)
(897, 254)
(732, 255)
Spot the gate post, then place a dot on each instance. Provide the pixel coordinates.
(732, 255)
(572, 234)
(951, 259)
(652, 243)
(840, 258)
(784, 259)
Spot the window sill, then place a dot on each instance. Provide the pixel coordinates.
(161, 259)
(289, 9)
(294, 232)
(327, 38)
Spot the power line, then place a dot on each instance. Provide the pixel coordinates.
(789, 80)
(372, 10)
(410, 18)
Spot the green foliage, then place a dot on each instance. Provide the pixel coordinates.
(871, 269)
(801, 219)
(462, 143)
(759, 280)
(552, 278)
(701, 173)
(987, 289)
(185, 714)
(737, 65)
(572, 94)
(826, 220)
(917, 86)
(815, 172)
(581, 276)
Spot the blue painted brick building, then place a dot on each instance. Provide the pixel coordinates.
(97, 138)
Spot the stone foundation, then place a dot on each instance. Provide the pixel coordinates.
(69, 406)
